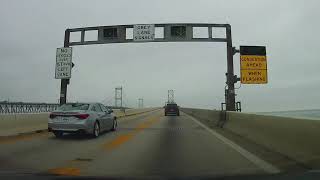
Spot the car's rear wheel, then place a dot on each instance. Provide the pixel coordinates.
(58, 134)
(115, 124)
(96, 129)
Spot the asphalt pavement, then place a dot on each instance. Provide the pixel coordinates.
(145, 145)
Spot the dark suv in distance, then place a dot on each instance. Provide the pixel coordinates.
(171, 109)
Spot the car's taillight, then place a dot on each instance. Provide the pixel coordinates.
(82, 116)
(51, 116)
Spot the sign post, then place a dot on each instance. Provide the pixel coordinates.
(253, 65)
(65, 82)
(230, 92)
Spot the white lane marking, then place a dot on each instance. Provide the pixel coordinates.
(248, 155)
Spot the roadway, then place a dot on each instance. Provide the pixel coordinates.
(149, 144)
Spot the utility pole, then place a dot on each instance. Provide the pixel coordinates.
(118, 97)
(140, 102)
(170, 96)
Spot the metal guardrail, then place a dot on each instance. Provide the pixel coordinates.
(222, 119)
(222, 106)
(224, 115)
(238, 106)
(20, 107)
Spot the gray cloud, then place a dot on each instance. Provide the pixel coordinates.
(32, 30)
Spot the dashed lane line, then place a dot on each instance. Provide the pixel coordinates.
(72, 168)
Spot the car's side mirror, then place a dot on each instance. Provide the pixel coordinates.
(110, 111)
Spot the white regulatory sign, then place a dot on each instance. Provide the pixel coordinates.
(63, 63)
(143, 32)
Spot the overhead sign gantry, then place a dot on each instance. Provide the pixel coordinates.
(181, 32)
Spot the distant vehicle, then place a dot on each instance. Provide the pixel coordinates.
(171, 109)
(88, 118)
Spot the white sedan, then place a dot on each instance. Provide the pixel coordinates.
(89, 118)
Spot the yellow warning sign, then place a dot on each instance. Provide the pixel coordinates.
(253, 62)
(253, 65)
(254, 76)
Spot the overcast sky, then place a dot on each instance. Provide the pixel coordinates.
(31, 30)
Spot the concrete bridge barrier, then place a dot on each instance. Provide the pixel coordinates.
(13, 124)
(298, 139)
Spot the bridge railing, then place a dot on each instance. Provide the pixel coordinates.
(21, 107)
(25, 107)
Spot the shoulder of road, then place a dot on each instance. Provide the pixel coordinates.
(291, 144)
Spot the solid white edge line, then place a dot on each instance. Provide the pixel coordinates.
(248, 155)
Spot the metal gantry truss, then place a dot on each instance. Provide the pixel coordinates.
(170, 96)
(20, 107)
(140, 103)
(171, 33)
(118, 97)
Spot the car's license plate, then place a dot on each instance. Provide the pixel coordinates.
(62, 120)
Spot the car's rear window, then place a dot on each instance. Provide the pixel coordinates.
(172, 105)
(77, 106)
